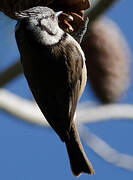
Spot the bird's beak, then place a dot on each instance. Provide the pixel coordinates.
(58, 13)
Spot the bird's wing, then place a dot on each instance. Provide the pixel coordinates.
(54, 75)
(73, 59)
(58, 90)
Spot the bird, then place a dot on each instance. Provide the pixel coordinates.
(54, 66)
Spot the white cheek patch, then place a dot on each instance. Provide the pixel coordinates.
(43, 22)
(48, 39)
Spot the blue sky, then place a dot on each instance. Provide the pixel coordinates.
(31, 152)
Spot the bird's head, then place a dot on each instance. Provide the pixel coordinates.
(42, 22)
(43, 18)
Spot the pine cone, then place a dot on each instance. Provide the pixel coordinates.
(107, 60)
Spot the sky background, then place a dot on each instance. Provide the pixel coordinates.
(29, 152)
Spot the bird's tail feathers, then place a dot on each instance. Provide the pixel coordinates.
(78, 160)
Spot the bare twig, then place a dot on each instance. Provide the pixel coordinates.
(29, 111)
(105, 151)
(9, 74)
(104, 112)
(21, 108)
(98, 7)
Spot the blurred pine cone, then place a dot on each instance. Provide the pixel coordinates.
(107, 60)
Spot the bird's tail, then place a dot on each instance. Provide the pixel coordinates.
(78, 160)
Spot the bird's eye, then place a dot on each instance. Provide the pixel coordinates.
(52, 16)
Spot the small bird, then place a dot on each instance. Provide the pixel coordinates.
(54, 66)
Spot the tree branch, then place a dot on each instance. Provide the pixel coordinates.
(106, 152)
(21, 108)
(11, 73)
(98, 8)
(30, 112)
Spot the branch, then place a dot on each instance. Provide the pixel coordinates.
(30, 112)
(105, 151)
(9, 74)
(100, 113)
(21, 108)
(98, 7)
